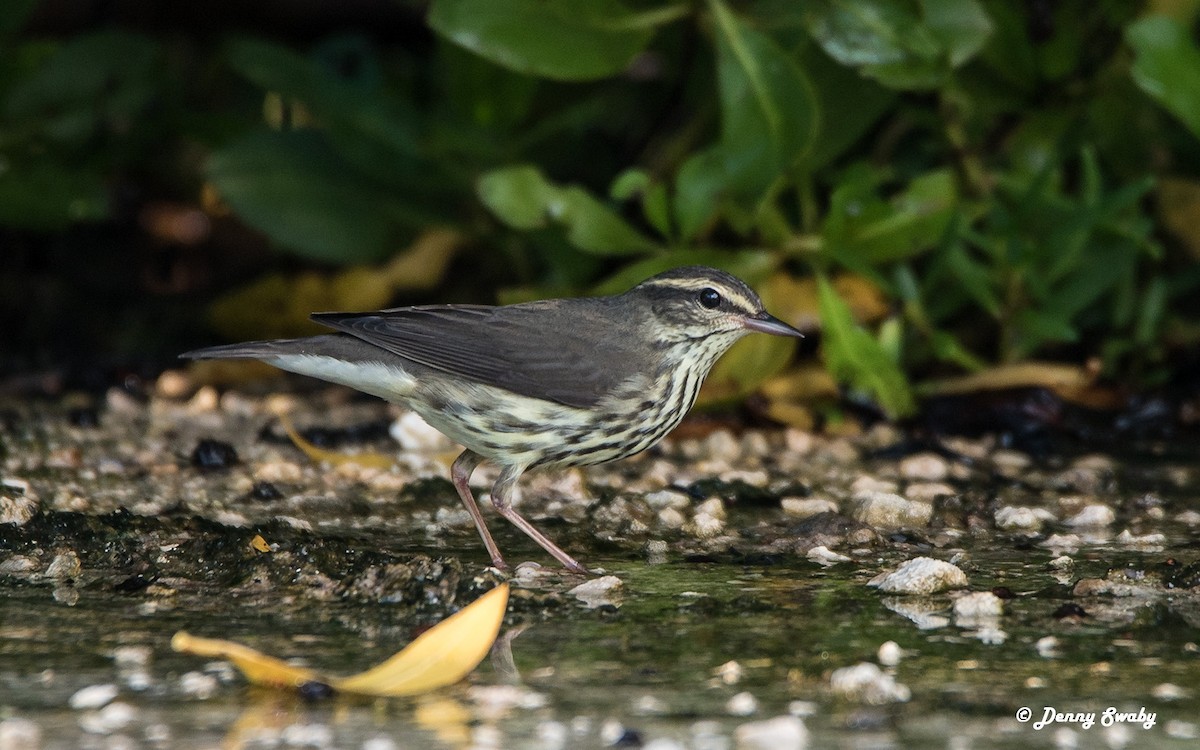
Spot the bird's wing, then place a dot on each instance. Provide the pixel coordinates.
(536, 350)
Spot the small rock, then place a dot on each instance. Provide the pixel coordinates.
(198, 685)
(730, 673)
(112, 718)
(18, 564)
(307, 735)
(824, 556)
(597, 592)
(867, 683)
(867, 483)
(1169, 691)
(1154, 541)
(1047, 647)
(1092, 516)
(1018, 518)
(93, 696)
(723, 446)
(889, 654)
(210, 455)
(1188, 518)
(65, 565)
(978, 604)
(671, 518)
(806, 507)
(779, 733)
(1062, 562)
(928, 492)
(885, 510)
(921, 575)
(742, 704)
(929, 467)
(650, 705)
(17, 733)
(18, 502)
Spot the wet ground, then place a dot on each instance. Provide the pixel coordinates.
(740, 615)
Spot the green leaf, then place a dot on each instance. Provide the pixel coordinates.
(854, 356)
(374, 130)
(576, 41)
(863, 228)
(1166, 65)
(523, 198)
(296, 188)
(769, 123)
(847, 104)
(902, 44)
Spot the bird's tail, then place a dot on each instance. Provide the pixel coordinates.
(265, 350)
(336, 357)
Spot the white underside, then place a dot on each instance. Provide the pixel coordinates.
(376, 378)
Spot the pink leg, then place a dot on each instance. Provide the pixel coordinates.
(460, 474)
(502, 500)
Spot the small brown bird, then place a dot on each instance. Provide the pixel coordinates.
(561, 382)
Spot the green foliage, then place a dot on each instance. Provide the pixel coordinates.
(991, 168)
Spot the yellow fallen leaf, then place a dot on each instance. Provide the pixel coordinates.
(1052, 375)
(259, 544)
(441, 656)
(259, 668)
(336, 458)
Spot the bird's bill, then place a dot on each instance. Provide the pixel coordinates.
(767, 323)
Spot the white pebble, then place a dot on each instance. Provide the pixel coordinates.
(867, 683)
(1018, 518)
(806, 507)
(112, 718)
(824, 556)
(1092, 516)
(1169, 691)
(551, 735)
(778, 733)
(978, 604)
(663, 743)
(1181, 730)
(886, 510)
(1047, 647)
(198, 685)
(889, 654)
(598, 591)
(380, 743)
(929, 467)
(742, 704)
(93, 696)
(921, 575)
(17, 733)
(307, 735)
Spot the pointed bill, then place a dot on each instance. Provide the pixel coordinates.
(766, 323)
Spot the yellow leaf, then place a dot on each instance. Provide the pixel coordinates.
(259, 544)
(441, 656)
(368, 460)
(1052, 375)
(258, 668)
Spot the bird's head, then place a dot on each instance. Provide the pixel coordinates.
(694, 303)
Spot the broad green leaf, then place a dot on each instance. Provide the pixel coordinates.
(297, 189)
(1166, 66)
(576, 41)
(769, 124)
(846, 105)
(901, 43)
(372, 129)
(863, 228)
(523, 198)
(854, 356)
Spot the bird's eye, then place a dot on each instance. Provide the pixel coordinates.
(709, 298)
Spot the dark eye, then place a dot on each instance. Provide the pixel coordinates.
(710, 298)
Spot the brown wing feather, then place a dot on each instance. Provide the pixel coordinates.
(569, 351)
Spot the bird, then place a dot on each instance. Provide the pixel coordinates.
(545, 384)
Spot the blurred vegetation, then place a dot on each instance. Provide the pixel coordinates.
(951, 187)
